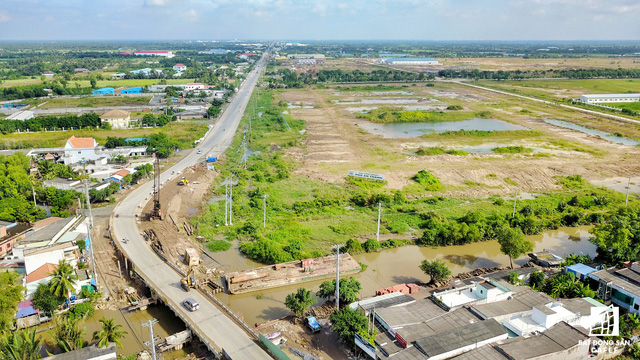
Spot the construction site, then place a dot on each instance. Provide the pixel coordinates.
(289, 273)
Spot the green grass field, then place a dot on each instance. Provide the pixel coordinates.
(633, 106)
(95, 101)
(184, 133)
(549, 88)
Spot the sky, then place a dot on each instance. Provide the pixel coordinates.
(320, 19)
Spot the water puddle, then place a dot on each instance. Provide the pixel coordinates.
(398, 92)
(299, 106)
(602, 134)
(409, 130)
(380, 101)
(364, 109)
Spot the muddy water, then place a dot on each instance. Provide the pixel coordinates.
(390, 267)
(131, 322)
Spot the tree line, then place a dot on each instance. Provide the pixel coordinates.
(551, 73)
(41, 123)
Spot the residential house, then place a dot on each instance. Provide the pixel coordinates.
(92, 352)
(79, 149)
(487, 291)
(179, 67)
(48, 73)
(562, 341)
(41, 275)
(194, 87)
(620, 285)
(580, 271)
(118, 119)
(81, 70)
(63, 183)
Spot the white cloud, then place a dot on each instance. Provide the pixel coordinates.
(156, 3)
(320, 9)
(4, 17)
(191, 15)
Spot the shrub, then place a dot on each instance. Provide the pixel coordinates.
(371, 245)
(454, 107)
(428, 180)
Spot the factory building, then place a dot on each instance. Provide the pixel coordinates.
(609, 98)
(167, 54)
(103, 91)
(409, 61)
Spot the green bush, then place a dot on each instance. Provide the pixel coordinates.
(371, 245)
(353, 246)
(454, 107)
(81, 310)
(428, 180)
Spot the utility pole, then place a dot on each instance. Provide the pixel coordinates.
(33, 191)
(264, 216)
(379, 213)
(226, 200)
(626, 200)
(231, 202)
(515, 199)
(151, 343)
(337, 247)
(86, 192)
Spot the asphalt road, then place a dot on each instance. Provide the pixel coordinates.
(209, 320)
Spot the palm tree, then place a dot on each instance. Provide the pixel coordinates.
(68, 334)
(64, 279)
(21, 345)
(110, 333)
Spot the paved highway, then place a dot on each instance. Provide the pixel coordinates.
(217, 327)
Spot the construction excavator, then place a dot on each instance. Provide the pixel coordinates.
(189, 281)
(183, 181)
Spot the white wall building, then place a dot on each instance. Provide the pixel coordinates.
(609, 98)
(194, 86)
(78, 149)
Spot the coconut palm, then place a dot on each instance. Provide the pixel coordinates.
(68, 334)
(21, 345)
(110, 333)
(63, 280)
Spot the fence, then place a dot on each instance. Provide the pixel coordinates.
(279, 354)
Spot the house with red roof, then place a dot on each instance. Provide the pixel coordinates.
(78, 149)
(48, 73)
(126, 53)
(179, 67)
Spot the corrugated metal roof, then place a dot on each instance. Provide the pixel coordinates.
(461, 337)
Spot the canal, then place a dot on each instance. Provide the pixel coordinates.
(393, 266)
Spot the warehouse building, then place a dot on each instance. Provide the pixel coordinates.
(609, 98)
(103, 91)
(409, 61)
(167, 54)
(306, 56)
(134, 90)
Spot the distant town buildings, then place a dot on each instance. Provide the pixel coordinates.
(167, 54)
(214, 52)
(609, 98)
(118, 119)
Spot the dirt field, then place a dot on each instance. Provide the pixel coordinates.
(336, 143)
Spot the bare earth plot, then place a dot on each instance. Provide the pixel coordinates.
(336, 143)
